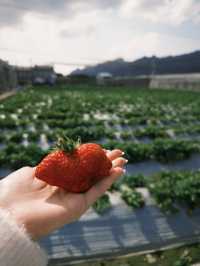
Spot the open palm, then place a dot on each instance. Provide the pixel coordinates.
(43, 208)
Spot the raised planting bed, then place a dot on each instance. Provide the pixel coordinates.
(120, 231)
(163, 150)
(15, 156)
(132, 197)
(172, 189)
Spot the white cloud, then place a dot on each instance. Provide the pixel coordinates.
(98, 31)
(174, 12)
(39, 40)
(154, 43)
(12, 12)
(76, 32)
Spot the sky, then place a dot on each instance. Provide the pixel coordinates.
(72, 33)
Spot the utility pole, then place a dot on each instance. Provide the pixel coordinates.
(153, 66)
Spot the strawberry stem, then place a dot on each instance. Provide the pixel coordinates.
(66, 144)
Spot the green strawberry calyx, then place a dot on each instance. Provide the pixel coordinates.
(66, 144)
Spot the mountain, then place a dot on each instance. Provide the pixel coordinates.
(186, 63)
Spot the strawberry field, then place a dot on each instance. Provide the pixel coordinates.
(159, 131)
(150, 126)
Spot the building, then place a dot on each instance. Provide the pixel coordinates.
(8, 77)
(24, 75)
(171, 81)
(176, 81)
(36, 75)
(43, 74)
(103, 78)
(79, 79)
(135, 82)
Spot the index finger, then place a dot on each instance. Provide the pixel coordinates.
(114, 154)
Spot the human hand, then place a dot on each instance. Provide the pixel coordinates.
(42, 208)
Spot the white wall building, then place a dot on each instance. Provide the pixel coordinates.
(176, 81)
(103, 77)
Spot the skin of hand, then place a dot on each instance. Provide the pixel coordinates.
(42, 208)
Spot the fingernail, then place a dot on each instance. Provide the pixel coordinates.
(123, 153)
(126, 161)
(124, 171)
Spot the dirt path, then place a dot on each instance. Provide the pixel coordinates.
(6, 94)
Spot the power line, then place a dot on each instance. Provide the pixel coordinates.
(14, 50)
(86, 62)
(68, 63)
(6, 5)
(26, 52)
(73, 64)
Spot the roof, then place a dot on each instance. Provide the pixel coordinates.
(104, 75)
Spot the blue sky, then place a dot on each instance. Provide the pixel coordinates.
(79, 31)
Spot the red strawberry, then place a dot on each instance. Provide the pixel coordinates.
(74, 166)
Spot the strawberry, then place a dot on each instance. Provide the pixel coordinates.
(73, 166)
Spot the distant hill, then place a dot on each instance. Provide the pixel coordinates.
(187, 63)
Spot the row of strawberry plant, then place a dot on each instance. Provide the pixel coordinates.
(164, 150)
(15, 156)
(69, 104)
(170, 190)
(173, 189)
